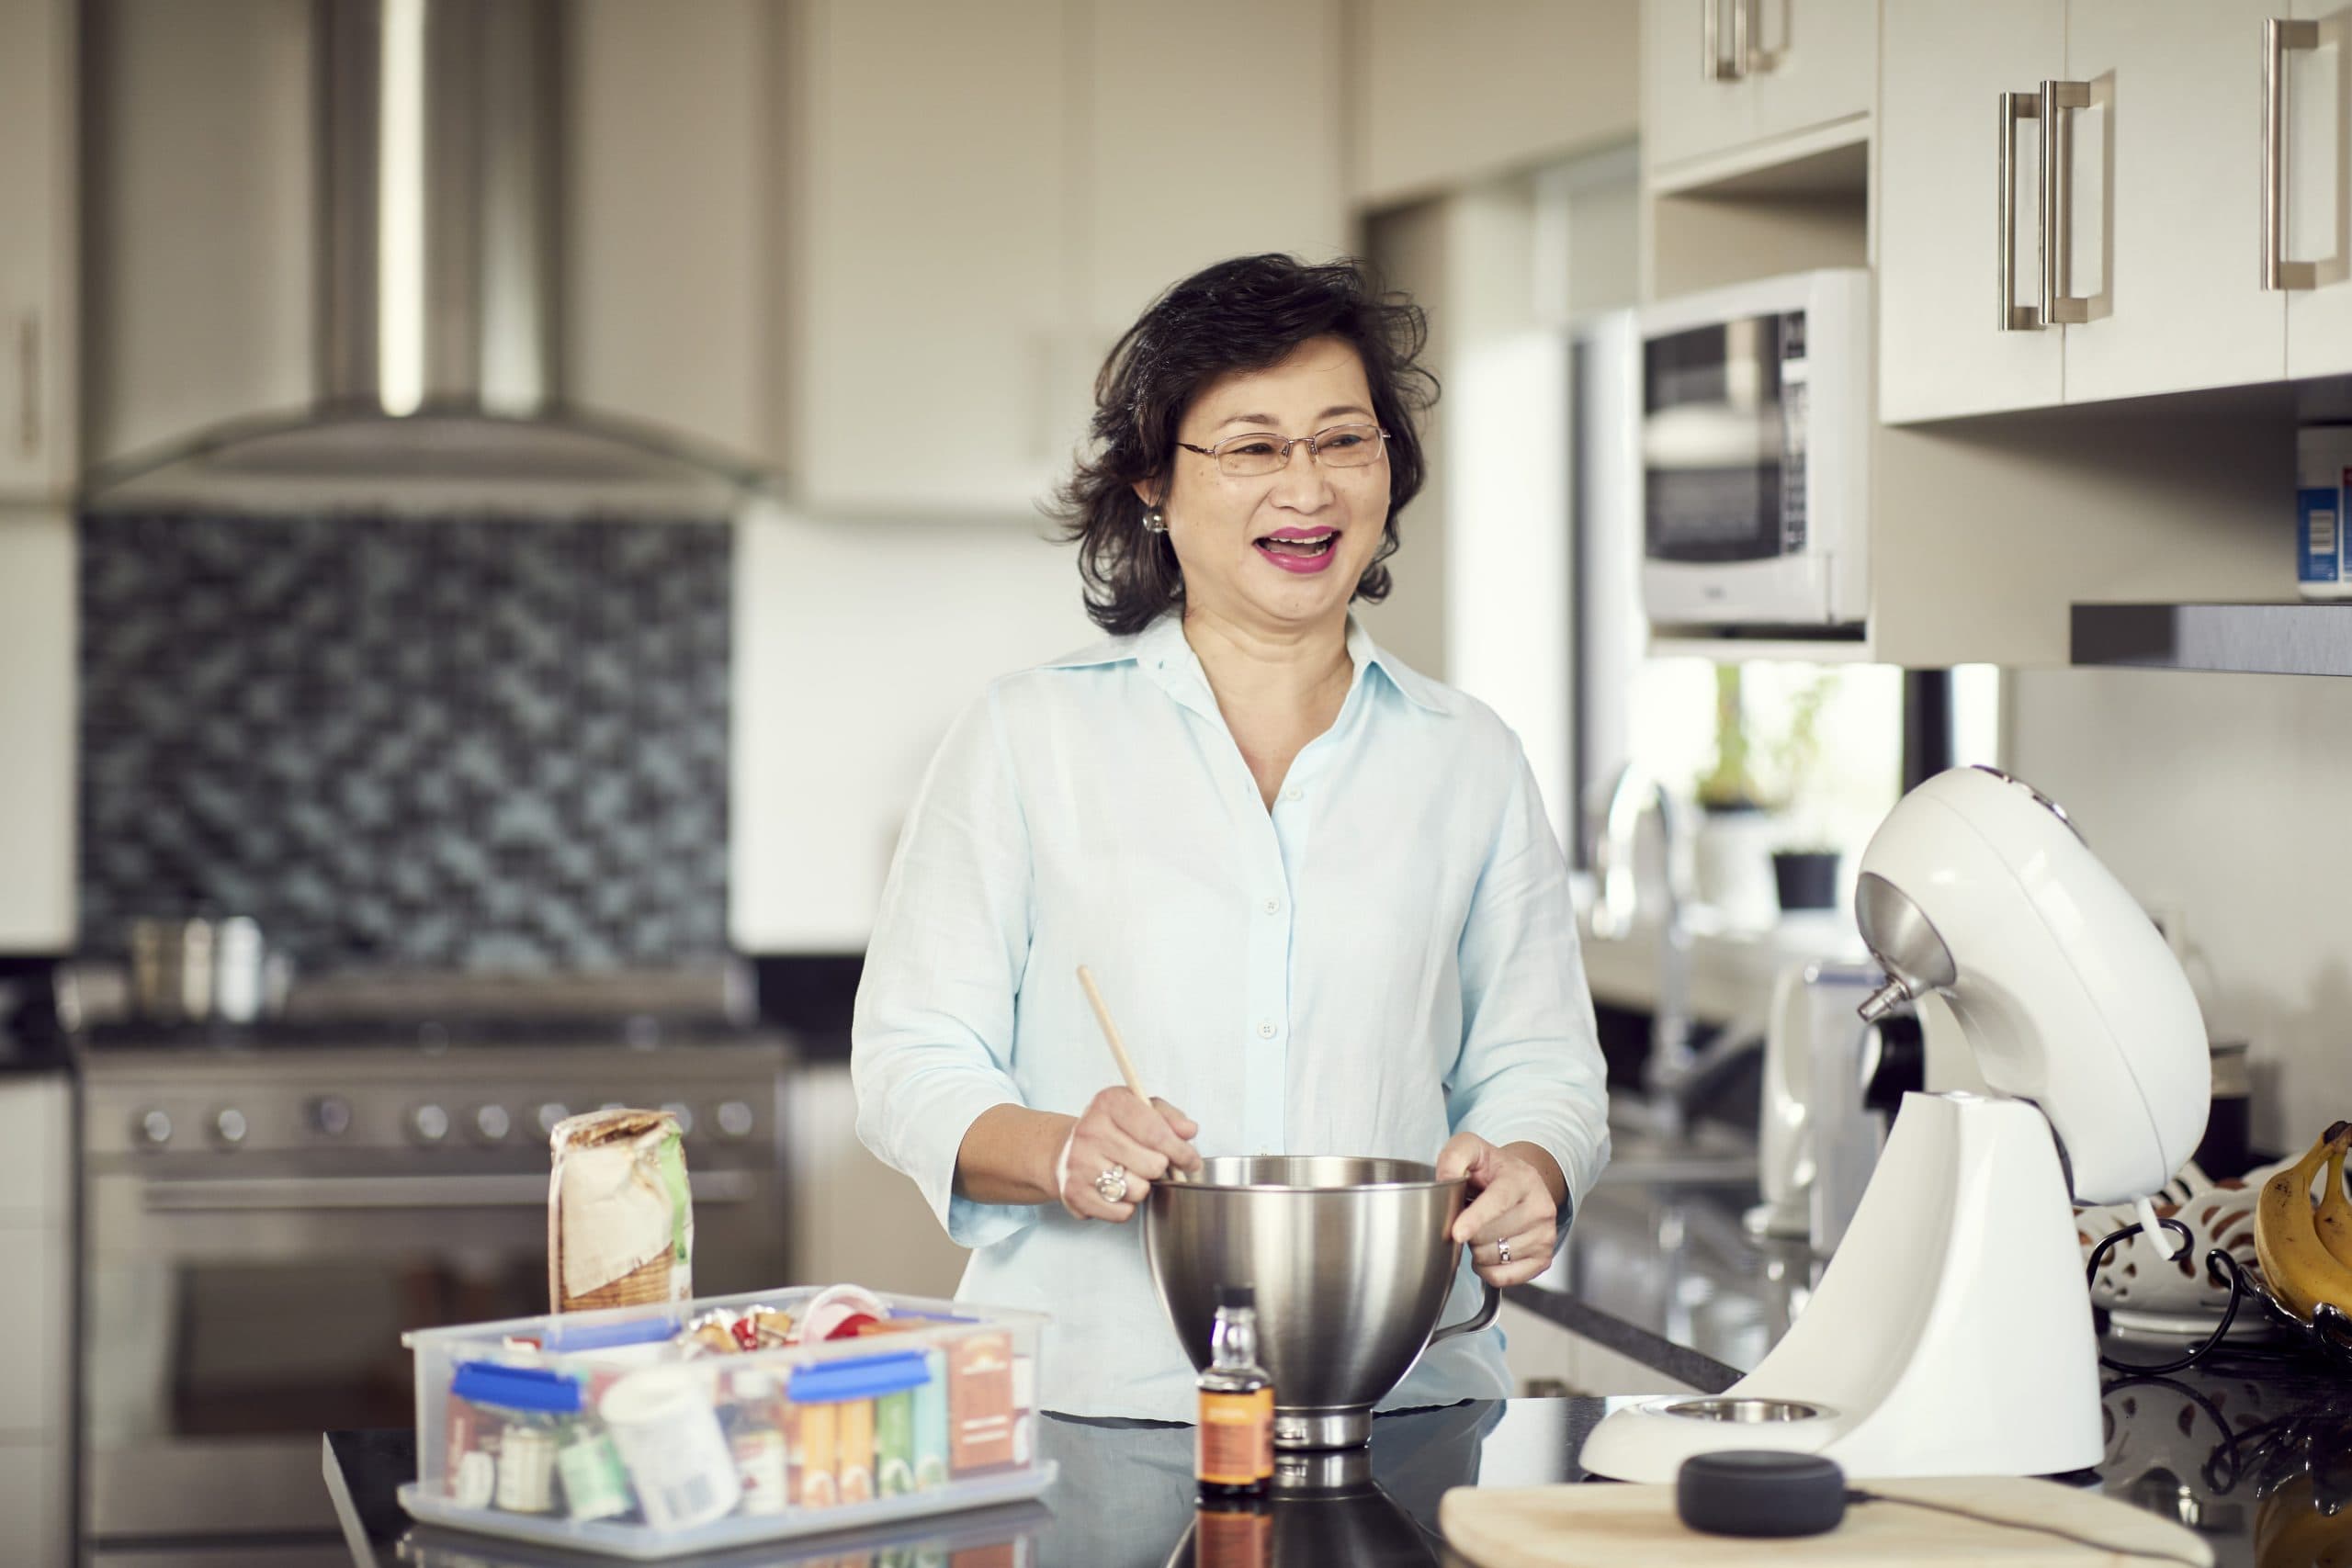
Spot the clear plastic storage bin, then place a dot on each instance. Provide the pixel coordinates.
(605, 1432)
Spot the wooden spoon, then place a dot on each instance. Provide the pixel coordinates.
(1119, 1050)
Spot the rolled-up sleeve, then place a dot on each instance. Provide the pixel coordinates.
(1530, 1068)
(931, 1038)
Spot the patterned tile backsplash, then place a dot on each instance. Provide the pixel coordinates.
(458, 742)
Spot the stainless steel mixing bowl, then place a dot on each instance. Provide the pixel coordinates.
(1351, 1259)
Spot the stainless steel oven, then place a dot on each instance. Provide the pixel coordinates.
(263, 1222)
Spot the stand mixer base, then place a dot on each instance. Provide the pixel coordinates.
(1322, 1428)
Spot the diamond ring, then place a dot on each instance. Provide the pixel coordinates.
(1112, 1184)
(1503, 1246)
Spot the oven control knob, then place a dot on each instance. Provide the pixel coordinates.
(553, 1112)
(151, 1128)
(734, 1119)
(492, 1123)
(229, 1127)
(683, 1114)
(331, 1115)
(429, 1123)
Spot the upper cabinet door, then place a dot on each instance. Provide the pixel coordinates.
(2164, 171)
(1947, 161)
(37, 230)
(1816, 62)
(1450, 93)
(2316, 128)
(1159, 206)
(1694, 99)
(935, 267)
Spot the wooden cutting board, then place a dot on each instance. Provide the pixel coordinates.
(1605, 1525)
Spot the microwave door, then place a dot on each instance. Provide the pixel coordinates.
(1724, 536)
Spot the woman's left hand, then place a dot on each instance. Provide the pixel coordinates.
(1512, 1222)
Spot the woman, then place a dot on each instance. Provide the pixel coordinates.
(1317, 890)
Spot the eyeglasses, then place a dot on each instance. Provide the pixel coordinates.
(1256, 453)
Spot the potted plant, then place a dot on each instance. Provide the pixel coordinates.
(1736, 825)
(1805, 871)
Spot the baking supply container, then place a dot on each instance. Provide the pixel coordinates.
(635, 1440)
(620, 1218)
(2323, 460)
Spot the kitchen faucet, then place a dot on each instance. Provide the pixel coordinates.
(1675, 1077)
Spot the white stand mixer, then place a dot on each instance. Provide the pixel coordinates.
(1951, 1333)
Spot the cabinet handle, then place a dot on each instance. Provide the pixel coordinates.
(1712, 66)
(2279, 36)
(2058, 102)
(28, 385)
(2015, 318)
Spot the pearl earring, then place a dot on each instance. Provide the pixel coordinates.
(1153, 521)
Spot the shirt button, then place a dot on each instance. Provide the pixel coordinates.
(1293, 793)
(1266, 1029)
(1273, 906)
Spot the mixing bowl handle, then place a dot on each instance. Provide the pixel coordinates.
(1485, 1315)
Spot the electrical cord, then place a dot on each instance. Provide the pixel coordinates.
(2217, 1262)
(1854, 1495)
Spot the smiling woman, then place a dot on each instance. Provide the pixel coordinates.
(1320, 887)
(1321, 339)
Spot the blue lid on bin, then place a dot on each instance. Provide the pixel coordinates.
(868, 1377)
(516, 1388)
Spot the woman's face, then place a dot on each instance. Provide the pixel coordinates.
(1252, 549)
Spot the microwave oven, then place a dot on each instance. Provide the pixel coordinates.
(1755, 432)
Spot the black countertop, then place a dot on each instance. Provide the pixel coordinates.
(2251, 1453)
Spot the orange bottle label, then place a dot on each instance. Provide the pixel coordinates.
(1237, 1443)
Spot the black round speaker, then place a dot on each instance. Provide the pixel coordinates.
(1761, 1491)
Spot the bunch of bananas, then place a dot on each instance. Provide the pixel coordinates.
(2293, 1530)
(2305, 1252)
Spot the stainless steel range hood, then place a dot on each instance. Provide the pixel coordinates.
(439, 373)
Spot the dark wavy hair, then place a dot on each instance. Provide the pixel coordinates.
(1243, 314)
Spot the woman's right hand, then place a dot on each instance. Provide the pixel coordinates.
(1142, 1140)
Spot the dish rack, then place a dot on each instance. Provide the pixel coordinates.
(630, 1433)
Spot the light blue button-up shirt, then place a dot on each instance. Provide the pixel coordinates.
(1386, 957)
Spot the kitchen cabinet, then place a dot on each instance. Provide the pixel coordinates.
(985, 197)
(36, 1304)
(2177, 94)
(663, 217)
(1446, 95)
(36, 248)
(1941, 180)
(933, 253)
(37, 652)
(1157, 206)
(2316, 132)
(1722, 78)
(2151, 139)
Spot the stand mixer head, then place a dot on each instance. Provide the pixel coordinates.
(1978, 888)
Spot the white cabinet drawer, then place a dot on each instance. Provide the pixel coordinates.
(33, 1502)
(33, 1341)
(34, 1150)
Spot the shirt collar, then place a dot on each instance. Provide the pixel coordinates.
(1160, 648)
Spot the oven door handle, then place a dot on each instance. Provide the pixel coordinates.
(246, 1194)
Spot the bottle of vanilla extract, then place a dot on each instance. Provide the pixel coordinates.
(1236, 1455)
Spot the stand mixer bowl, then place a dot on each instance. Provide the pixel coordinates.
(1351, 1259)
